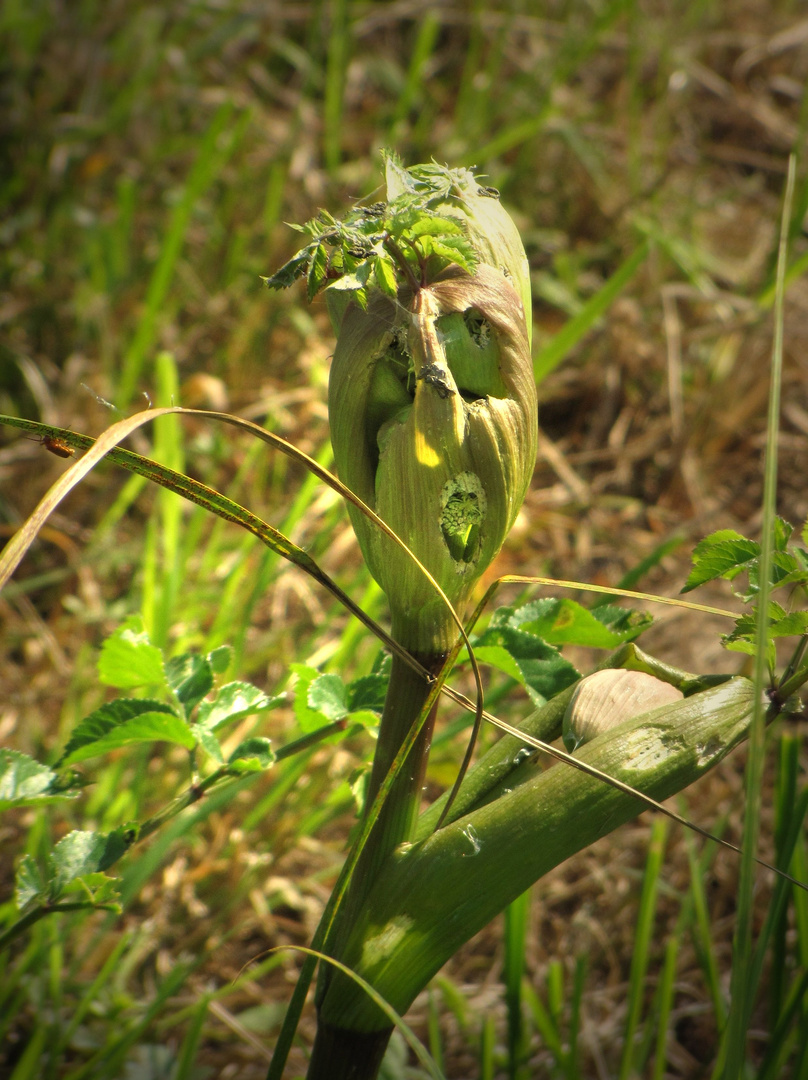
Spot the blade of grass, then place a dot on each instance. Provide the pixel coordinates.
(703, 936)
(742, 990)
(336, 66)
(666, 987)
(517, 917)
(642, 943)
(551, 355)
(218, 144)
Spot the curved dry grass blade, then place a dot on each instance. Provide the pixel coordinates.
(395, 1019)
(106, 445)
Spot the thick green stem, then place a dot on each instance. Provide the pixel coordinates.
(357, 1057)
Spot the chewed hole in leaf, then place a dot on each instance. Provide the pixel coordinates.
(463, 506)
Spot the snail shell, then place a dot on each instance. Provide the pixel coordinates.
(607, 698)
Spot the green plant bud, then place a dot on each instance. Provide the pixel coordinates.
(433, 419)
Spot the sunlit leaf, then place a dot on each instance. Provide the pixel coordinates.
(252, 755)
(234, 701)
(722, 554)
(190, 677)
(30, 883)
(129, 659)
(123, 723)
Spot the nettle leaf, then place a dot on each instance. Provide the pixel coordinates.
(82, 852)
(30, 884)
(722, 554)
(122, 723)
(24, 781)
(190, 677)
(458, 251)
(296, 267)
(367, 693)
(328, 696)
(787, 569)
(318, 268)
(782, 533)
(252, 755)
(128, 659)
(782, 623)
(566, 622)
(308, 718)
(627, 622)
(384, 274)
(99, 890)
(542, 670)
(437, 225)
(234, 701)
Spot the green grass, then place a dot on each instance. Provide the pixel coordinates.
(152, 157)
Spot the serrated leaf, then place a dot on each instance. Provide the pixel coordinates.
(30, 883)
(544, 671)
(123, 723)
(99, 889)
(722, 554)
(566, 622)
(367, 692)
(327, 695)
(290, 271)
(440, 226)
(318, 268)
(385, 275)
(190, 677)
(234, 701)
(252, 755)
(309, 715)
(22, 779)
(84, 852)
(782, 533)
(128, 659)
(397, 178)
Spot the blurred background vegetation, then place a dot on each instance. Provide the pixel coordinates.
(150, 157)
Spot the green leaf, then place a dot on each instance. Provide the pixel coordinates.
(439, 226)
(30, 883)
(566, 622)
(190, 677)
(290, 271)
(210, 744)
(83, 852)
(367, 692)
(23, 780)
(98, 889)
(542, 670)
(782, 533)
(122, 723)
(327, 702)
(722, 554)
(128, 658)
(234, 701)
(252, 755)
(385, 275)
(219, 659)
(327, 695)
(318, 268)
